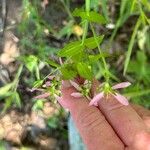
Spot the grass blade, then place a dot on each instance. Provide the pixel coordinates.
(138, 23)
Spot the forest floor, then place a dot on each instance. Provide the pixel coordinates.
(25, 128)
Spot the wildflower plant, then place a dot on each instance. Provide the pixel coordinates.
(77, 59)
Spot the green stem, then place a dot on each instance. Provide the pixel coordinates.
(16, 80)
(68, 10)
(114, 33)
(87, 8)
(85, 31)
(100, 51)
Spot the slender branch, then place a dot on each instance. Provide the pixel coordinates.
(100, 51)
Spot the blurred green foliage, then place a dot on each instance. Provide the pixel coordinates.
(38, 50)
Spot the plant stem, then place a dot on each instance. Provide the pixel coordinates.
(16, 80)
(85, 31)
(100, 51)
(68, 10)
(87, 8)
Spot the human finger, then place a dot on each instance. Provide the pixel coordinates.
(92, 125)
(124, 119)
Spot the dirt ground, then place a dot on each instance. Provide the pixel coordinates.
(25, 127)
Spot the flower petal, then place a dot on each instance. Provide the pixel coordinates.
(121, 85)
(123, 100)
(66, 83)
(47, 84)
(51, 77)
(76, 95)
(45, 95)
(35, 89)
(75, 85)
(96, 98)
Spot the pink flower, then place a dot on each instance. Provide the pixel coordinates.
(76, 95)
(75, 85)
(42, 96)
(79, 89)
(118, 97)
(47, 84)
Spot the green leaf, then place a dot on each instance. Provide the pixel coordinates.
(39, 104)
(68, 72)
(17, 99)
(96, 17)
(4, 90)
(91, 42)
(141, 57)
(78, 12)
(94, 58)
(133, 67)
(71, 49)
(84, 70)
(78, 57)
(76, 48)
(31, 62)
(37, 83)
(8, 103)
(137, 93)
(92, 16)
(2, 145)
(53, 122)
(52, 63)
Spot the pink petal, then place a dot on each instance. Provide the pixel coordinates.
(45, 95)
(62, 102)
(76, 95)
(121, 85)
(35, 89)
(123, 100)
(66, 83)
(96, 98)
(47, 84)
(51, 77)
(86, 82)
(75, 85)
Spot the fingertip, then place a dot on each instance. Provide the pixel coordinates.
(65, 84)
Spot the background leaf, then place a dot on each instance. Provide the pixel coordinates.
(84, 70)
(68, 72)
(91, 17)
(71, 49)
(91, 43)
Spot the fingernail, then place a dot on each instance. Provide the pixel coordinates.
(66, 84)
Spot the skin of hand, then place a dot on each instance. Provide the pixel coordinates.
(111, 125)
